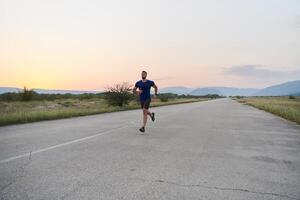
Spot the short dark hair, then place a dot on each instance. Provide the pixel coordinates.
(144, 71)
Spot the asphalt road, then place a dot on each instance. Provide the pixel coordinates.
(207, 150)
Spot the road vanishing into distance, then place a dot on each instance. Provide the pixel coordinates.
(217, 149)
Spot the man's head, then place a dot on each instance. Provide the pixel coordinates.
(144, 75)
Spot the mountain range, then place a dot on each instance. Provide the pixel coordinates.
(45, 91)
(288, 88)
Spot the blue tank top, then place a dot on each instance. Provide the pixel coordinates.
(145, 87)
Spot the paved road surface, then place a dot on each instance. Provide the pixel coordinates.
(207, 150)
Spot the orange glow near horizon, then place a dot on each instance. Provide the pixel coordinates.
(79, 46)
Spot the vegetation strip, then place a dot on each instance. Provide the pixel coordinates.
(30, 106)
(285, 107)
(25, 112)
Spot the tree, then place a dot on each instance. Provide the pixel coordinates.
(119, 94)
(27, 95)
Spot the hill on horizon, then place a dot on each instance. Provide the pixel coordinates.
(46, 91)
(283, 89)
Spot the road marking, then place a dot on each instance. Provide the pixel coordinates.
(59, 145)
(79, 140)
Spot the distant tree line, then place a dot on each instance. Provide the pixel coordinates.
(30, 95)
(164, 97)
(117, 95)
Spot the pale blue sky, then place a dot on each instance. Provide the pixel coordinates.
(91, 44)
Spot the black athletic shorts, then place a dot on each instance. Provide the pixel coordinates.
(145, 103)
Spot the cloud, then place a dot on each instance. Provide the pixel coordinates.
(258, 72)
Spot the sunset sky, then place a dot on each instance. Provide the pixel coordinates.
(89, 45)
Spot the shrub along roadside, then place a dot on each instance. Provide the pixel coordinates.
(29, 106)
(28, 115)
(119, 95)
(10, 96)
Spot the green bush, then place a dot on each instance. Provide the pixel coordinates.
(27, 95)
(119, 95)
(10, 96)
(163, 98)
(292, 97)
(31, 95)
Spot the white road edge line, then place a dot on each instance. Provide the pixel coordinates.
(67, 143)
(59, 145)
(70, 142)
(73, 141)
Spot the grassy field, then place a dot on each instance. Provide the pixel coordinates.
(24, 112)
(281, 106)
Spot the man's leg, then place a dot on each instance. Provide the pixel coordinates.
(142, 129)
(145, 116)
(146, 112)
(145, 106)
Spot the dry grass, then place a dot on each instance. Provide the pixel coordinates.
(281, 106)
(24, 112)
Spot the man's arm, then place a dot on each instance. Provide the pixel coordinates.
(134, 90)
(155, 88)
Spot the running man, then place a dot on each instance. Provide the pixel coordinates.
(144, 87)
